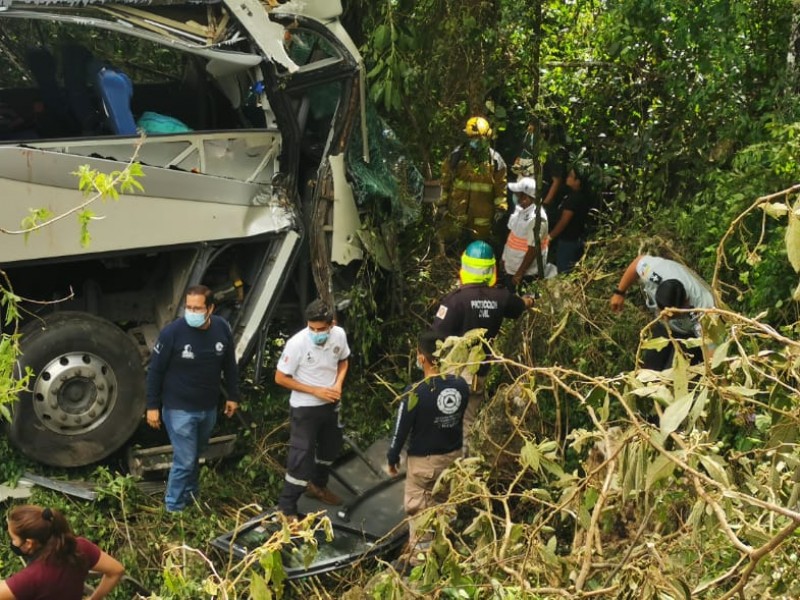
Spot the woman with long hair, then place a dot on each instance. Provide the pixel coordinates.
(58, 561)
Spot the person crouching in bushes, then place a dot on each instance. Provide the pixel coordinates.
(667, 284)
(58, 561)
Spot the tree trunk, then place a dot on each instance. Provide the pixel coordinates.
(793, 58)
(538, 166)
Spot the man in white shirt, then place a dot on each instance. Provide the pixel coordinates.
(313, 366)
(666, 284)
(521, 248)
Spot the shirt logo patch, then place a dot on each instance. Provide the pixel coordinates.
(337, 350)
(449, 401)
(219, 348)
(187, 352)
(157, 348)
(442, 312)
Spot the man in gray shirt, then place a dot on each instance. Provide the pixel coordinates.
(667, 284)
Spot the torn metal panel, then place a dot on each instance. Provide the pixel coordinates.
(159, 458)
(78, 489)
(432, 192)
(152, 488)
(345, 247)
(19, 492)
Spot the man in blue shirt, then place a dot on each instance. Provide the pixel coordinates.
(193, 357)
(430, 416)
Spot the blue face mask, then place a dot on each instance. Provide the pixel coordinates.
(419, 364)
(515, 199)
(195, 319)
(319, 337)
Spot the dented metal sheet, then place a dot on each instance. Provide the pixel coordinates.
(159, 458)
(20, 491)
(370, 522)
(79, 489)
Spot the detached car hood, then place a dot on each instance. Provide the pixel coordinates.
(370, 521)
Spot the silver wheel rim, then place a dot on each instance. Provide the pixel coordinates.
(74, 393)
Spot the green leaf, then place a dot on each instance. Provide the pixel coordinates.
(376, 91)
(413, 399)
(210, 587)
(657, 344)
(278, 573)
(696, 514)
(680, 376)
(775, 209)
(553, 468)
(387, 96)
(530, 455)
(699, 406)
(720, 354)
(658, 392)
(793, 238)
(604, 410)
(381, 37)
(715, 467)
(661, 468)
(740, 390)
(590, 498)
(258, 588)
(675, 413)
(376, 69)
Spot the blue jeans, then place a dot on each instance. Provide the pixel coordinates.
(568, 253)
(188, 432)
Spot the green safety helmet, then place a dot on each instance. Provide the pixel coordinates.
(478, 264)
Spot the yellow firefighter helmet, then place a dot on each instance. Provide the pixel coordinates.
(478, 127)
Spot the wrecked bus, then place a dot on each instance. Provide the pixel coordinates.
(239, 114)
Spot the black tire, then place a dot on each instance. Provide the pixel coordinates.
(87, 393)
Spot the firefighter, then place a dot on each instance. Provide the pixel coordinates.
(473, 196)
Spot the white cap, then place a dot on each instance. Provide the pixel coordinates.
(526, 185)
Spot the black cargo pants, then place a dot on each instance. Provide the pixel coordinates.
(315, 441)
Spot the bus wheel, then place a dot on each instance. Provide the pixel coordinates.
(86, 396)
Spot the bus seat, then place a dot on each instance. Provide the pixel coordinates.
(116, 90)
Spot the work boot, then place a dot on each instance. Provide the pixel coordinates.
(323, 494)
